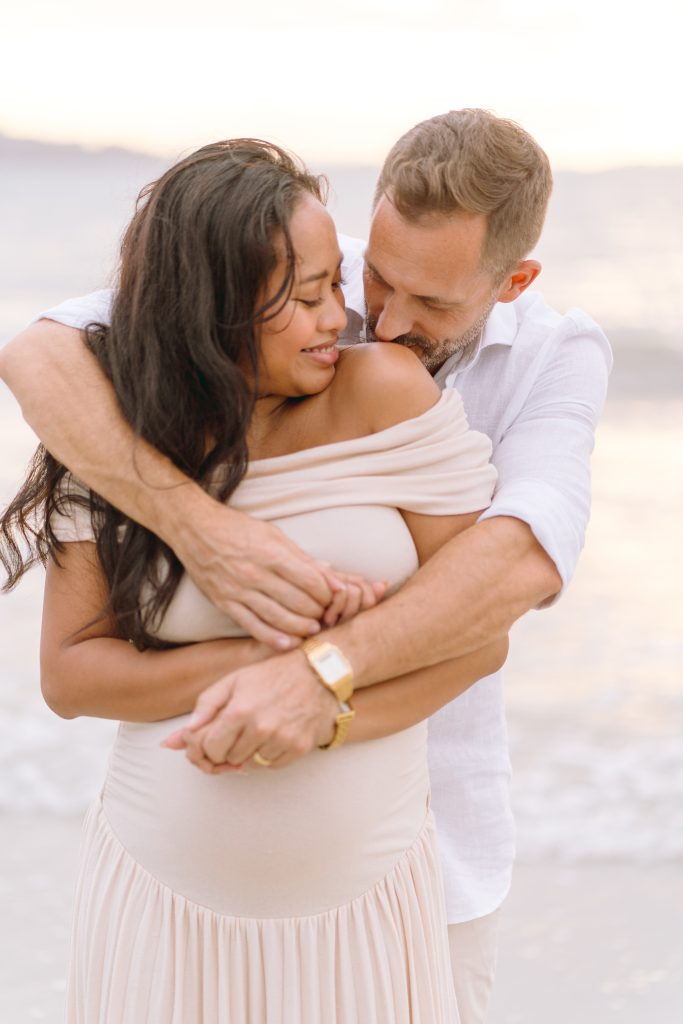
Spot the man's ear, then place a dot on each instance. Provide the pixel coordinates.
(519, 280)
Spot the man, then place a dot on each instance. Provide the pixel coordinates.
(459, 207)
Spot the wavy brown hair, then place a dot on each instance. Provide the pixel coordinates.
(195, 261)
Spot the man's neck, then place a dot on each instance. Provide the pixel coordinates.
(458, 359)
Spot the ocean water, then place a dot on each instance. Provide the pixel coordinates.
(595, 684)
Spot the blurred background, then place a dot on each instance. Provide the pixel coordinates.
(92, 109)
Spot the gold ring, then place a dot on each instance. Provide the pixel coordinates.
(261, 760)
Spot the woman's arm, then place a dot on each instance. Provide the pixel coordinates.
(94, 672)
(399, 703)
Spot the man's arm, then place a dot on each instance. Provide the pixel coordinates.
(381, 710)
(467, 596)
(525, 546)
(247, 568)
(471, 591)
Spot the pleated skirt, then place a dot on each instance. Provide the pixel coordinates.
(144, 954)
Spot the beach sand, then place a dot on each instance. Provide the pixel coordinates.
(588, 944)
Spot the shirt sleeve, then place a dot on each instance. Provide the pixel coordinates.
(71, 519)
(543, 459)
(84, 310)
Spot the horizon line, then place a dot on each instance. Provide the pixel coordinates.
(95, 149)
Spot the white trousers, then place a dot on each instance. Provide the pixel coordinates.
(474, 947)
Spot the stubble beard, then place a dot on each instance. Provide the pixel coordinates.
(433, 354)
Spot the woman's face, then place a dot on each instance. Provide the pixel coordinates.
(298, 347)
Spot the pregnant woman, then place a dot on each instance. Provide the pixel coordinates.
(309, 895)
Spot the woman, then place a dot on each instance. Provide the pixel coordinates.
(310, 894)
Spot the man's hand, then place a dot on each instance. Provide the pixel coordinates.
(261, 579)
(278, 708)
(252, 571)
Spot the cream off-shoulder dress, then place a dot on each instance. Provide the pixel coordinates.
(310, 895)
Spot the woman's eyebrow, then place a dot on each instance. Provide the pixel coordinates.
(322, 274)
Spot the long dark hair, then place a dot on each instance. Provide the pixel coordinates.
(195, 260)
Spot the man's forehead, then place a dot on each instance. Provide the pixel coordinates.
(439, 257)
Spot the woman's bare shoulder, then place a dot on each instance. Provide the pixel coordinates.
(384, 383)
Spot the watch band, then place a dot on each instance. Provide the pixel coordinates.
(332, 668)
(342, 724)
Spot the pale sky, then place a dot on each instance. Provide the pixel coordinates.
(597, 84)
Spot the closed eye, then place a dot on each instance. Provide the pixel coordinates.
(313, 303)
(433, 307)
(372, 273)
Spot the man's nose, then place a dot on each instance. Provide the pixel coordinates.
(393, 321)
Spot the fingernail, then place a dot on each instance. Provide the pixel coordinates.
(195, 718)
(283, 643)
(337, 583)
(314, 628)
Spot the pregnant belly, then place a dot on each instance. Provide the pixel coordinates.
(269, 843)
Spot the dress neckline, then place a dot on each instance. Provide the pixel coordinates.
(358, 443)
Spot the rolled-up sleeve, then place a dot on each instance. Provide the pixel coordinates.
(81, 311)
(543, 458)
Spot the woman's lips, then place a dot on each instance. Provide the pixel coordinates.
(324, 355)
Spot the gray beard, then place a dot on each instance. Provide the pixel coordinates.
(433, 354)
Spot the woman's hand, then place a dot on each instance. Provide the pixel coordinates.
(358, 595)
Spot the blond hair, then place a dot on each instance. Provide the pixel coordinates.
(473, 161)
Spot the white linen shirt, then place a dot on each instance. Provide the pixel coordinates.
(536, 385)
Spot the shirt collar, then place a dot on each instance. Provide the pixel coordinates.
(500, 329)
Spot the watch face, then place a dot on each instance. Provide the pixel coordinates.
(333, 665)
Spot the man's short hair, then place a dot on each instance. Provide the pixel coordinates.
(472, 160)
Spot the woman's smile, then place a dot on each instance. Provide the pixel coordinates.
(325, 355)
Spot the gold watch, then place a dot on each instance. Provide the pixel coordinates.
(342, 724)
(332, 668)
(334, 671)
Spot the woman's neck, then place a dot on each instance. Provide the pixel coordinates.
(273, 426)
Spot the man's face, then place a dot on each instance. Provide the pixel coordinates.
(424, 286)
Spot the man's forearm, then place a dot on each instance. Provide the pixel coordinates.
(464, 598)
(397, 704)
(72, 408)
